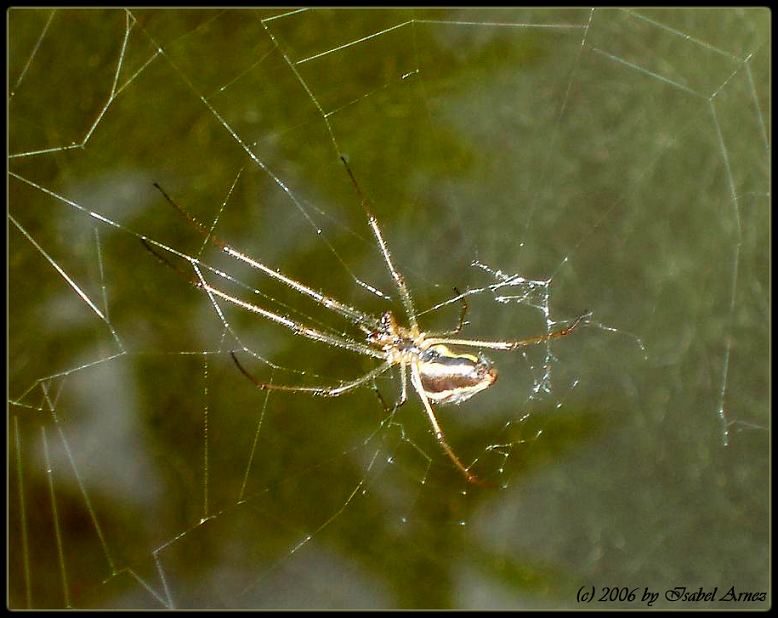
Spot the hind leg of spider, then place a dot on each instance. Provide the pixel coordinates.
(317, 391)
(512, 345)
(463, 309)
(439, 435)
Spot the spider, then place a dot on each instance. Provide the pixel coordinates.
(440, 372)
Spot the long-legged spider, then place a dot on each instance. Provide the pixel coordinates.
(438, 373)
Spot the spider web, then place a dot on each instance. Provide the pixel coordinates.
(540, 162)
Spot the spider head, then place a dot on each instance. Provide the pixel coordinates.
(387, 333)
(388, 322)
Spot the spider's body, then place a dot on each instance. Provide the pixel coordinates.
(446, 376)
(452, 377)
(438, 372)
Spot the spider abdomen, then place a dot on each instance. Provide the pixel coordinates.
(452, 377)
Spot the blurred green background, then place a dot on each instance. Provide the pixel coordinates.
(622, 157)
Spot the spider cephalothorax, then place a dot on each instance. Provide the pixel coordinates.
(389, 335)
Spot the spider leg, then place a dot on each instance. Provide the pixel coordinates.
(439, 435)
(318, 391)
(403, 393)
(298, 329)
(463, 309)
(341, 308)
(512, 345)
(384, 405)
(403, 385)
(399, 280)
